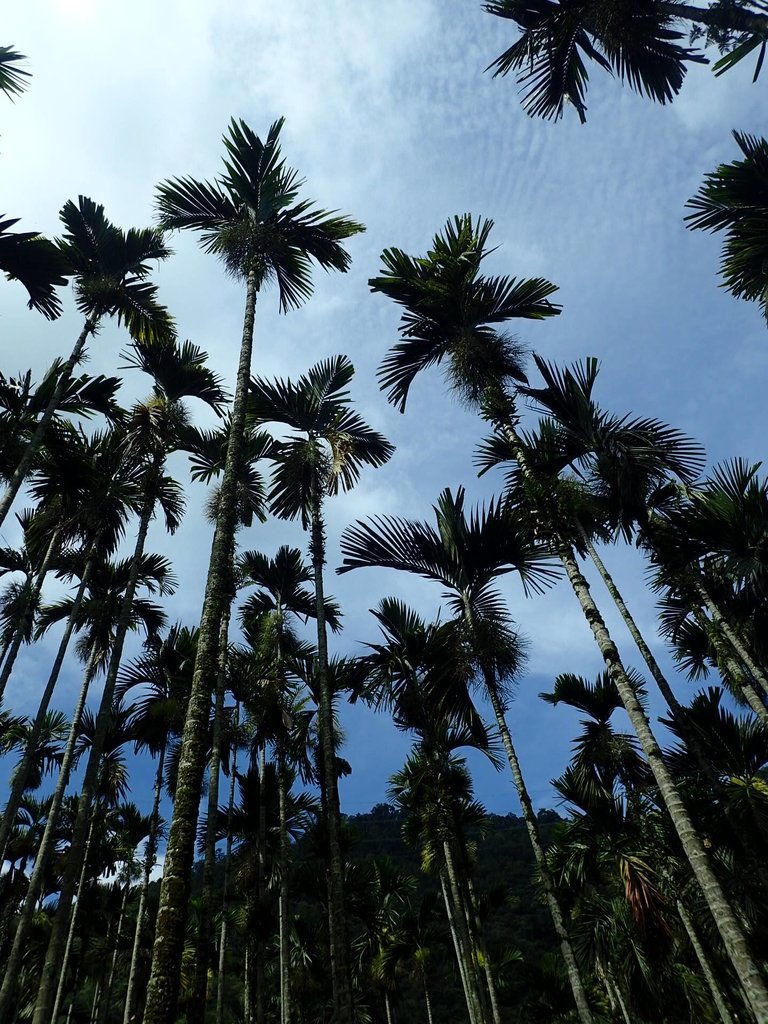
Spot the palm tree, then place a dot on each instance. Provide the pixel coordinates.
(34, 261)
(13, 79)
(251, 217)
(642, 44)
(98, 617)
(152, 433)
(111, 268)
(451, 311)
(466, 554)
(164, 674)
(329, 446)
(734, 199)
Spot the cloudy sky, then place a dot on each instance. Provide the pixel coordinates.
(391, 119)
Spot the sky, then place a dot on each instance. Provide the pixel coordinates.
(392, 120)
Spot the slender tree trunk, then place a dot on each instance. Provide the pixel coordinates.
(44, 851)
(461, 957)
(34, 596)
(197, 1004)
(466, 941)
(62, 967)
(532, 826)
(731, 672)
(706, 970)
(261, 888)
(427, 1001)
(37, 438)
(163, 991)
(339, 934)
(482, 947)
(104, 1008)
(21, 775)
(731, 635)
(57, 938)
(388, 1009)
(727, 923)
(285, 951)
(150, 854)
(225, 887)
(247, 1012)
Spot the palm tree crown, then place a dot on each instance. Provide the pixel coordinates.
(250, 216)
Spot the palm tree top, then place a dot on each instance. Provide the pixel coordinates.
(111, 267)
(13, 79)
(453, 311)
(636, 41)
(252, 218)
(734, 199)
(337, 442)
(179, 371)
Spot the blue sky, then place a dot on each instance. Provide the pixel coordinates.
(391, 119)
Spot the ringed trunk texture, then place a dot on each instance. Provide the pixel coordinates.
(163, 990)
(225, 884)
(285, 949)
(44, 851)
(706, 970)
(150, 854)
(196, 1007)
(732, 636)
(55, 952)
(727, 923)
(733, 937)
(459, 950)
(36, 440)
(339, 937)
(466, 940)
(532, 825)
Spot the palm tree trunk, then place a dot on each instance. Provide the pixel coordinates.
(129, 1013)
(340, 965)
(731, 635)
(483, 949)
(285, 953)
(14, 646)
(90, 783)
(73, 920)
(532, 825)
(247, 1012)
(36, 440)
(461, 958)
(388, 1009)
(466, 938)
(163, 990)
(427, 1001)
(21, 775)
(44, 851)
(261, 888)
(727, 923)
(706, 970)
(196, 1006)
(731, 672)
(104, 1008)
(225, 885)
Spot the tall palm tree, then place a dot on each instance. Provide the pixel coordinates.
(152, 433)
(451, 311)
(98, 617)
(640, 42)
(734, 199)
(466, 554)
(164, 675)
(252, 219)
(111, 268)
(330, 444)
